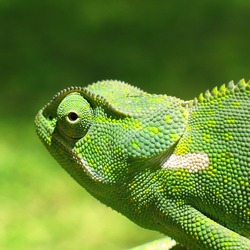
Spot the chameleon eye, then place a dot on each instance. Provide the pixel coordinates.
(74, 116)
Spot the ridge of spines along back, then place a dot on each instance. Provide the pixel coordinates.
(223, 90)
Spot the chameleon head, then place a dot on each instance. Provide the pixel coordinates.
(107, 131)
(68, 126)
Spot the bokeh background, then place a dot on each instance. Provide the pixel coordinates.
(176, 47)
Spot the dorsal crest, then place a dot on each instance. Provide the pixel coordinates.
(223, 90)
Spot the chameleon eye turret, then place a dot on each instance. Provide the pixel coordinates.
(74, 116)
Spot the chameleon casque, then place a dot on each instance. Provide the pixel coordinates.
(179, 167)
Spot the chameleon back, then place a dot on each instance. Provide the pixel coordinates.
(215, 149)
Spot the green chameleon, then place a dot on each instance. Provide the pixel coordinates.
(179, 167)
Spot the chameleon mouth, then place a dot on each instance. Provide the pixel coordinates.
(43, 128)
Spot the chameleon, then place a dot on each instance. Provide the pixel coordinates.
(178, 167)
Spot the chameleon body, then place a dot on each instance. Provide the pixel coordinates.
(179, 167)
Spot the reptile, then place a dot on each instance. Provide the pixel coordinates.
(178, 167)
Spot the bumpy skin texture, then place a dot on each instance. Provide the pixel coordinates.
(179, 167)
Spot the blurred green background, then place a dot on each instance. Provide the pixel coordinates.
(176, 47)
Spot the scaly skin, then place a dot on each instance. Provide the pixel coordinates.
(179, 167)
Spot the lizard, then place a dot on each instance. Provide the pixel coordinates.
(178, 167)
